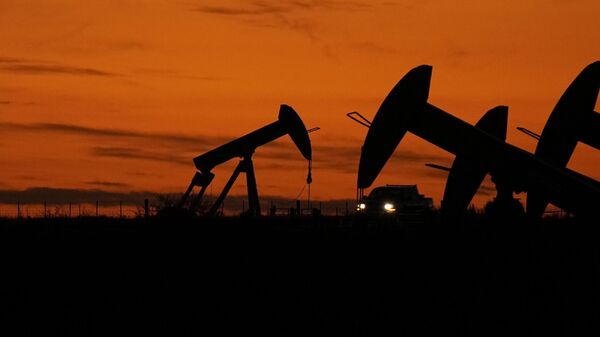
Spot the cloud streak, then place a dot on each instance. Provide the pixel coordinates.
(345, 158)
(21, 66)
(140, 154)
(39, 69)
(180, 149)
(173, 140)
(29, 67)
(167, 73)
(281, 7)
(487, 189)
(294, 15)
(255, 10)
(39, 195)
(106, 184)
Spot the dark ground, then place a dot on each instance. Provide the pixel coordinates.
(105, 277)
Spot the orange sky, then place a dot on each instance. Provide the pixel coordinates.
(121, 95)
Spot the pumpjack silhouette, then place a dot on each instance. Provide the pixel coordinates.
(288, 123)
(572, 120)
(479, 150)
(467, 173)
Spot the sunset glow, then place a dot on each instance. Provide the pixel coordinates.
(121, 95)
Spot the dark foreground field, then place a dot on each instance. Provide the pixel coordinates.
(105, 277)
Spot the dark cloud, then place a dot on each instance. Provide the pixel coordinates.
(68, 129)
(162, 147)
(487, 189)
(281, 14)
(271, 15)
(292, 15)
(281, 7)
(106, 184)
(433, 173)
(137, 154)
(30, 67)
(253, 10)
(168, 73)
(180, 149)
(279, 165)
(39, 69)
(11, 60)
(28, 177)
(371, 46)
(343, 158)
(5, 102)
(411, 156)
(350, 151)
(142, 174)
(39, 195)
(183, 142)
(300, 25)
(331, 5)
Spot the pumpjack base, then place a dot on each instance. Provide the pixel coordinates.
(203, 179)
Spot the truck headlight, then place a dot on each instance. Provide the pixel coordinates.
(389, 207)
(361, 206)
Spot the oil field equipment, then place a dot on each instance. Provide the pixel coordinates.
(406, 109)
(288, 123)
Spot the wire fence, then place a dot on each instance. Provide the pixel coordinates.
(73, 209)
(147, 207)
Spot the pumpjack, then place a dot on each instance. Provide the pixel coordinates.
(572, 120)
(481, 149)
(466, 174)
(288, 123)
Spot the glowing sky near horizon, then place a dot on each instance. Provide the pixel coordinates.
(121, 95)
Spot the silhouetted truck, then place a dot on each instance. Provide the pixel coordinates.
(395, 199)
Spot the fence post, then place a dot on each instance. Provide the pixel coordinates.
(45, 211)
(96, 208)
(146, 208)
(120, 209)
(18, 209)
(69, 209)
